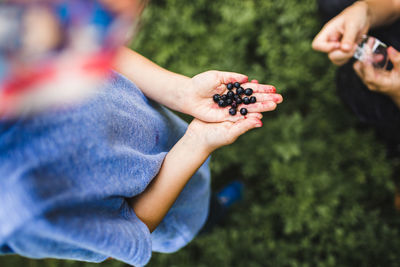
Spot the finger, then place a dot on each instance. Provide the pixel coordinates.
(260, 88)
(256, 115)
(326, 40)
(369, 72)
(254, 81)
(373, 78)
(349, 38)
(371, 87)
(361, 70)
(338, 57)
(231, 77)
(357, 66)
(241, 127)
(261, 97)
(394, 56)
(326, 47)
(260, 106)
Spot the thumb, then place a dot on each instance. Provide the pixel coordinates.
(349, 37)
(394, 57)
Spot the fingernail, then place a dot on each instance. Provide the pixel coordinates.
(258, 125)
(346, 46)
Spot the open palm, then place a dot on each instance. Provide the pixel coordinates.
(198, 100)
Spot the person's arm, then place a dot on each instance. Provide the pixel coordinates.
(383, 12)
(182, 162)
(178, 167)
(338, 38)
(192, 96)
(157, 83)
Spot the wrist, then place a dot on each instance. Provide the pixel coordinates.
(197, 141)
(183, 93)
(367, 7)
(174, 92)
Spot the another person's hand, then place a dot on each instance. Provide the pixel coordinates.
(339, 37)
(210, 136)
(378, 80)
(198, 92)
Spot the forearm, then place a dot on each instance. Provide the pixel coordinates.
(179, 165)
(382, 12)
(155, 82)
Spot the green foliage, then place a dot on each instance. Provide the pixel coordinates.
(318, 188)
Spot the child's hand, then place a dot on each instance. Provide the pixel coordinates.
(210, 136)
(198, 92)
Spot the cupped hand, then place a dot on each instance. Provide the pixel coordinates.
(198, 92)
(214, 135)
(379, 80)
(339, 37)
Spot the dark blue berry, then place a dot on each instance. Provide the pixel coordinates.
(236, 84)
(246, 100)
(243, 111)
(232, 111)
(239, 100)
(223, 97)
(230, 94)
(234, 104)
(221, 103)
(229, 102)
(248, 91)
(229, 86)
(253, 99)
(216, 98)
(240, 91)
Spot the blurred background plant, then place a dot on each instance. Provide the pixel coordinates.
(319, 189)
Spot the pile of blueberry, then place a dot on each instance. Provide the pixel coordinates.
(233, 99)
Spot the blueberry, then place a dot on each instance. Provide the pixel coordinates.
(216, 98)
(246, 100)
(243, 111)
(239, 100)
(221, 103)
(232, 111)
(230, 94)
(229, 102)
(234, 104)
(240, 91)
(229, 86)
(253, 99)
(236, 84)
(223, 97)
(248, 91)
